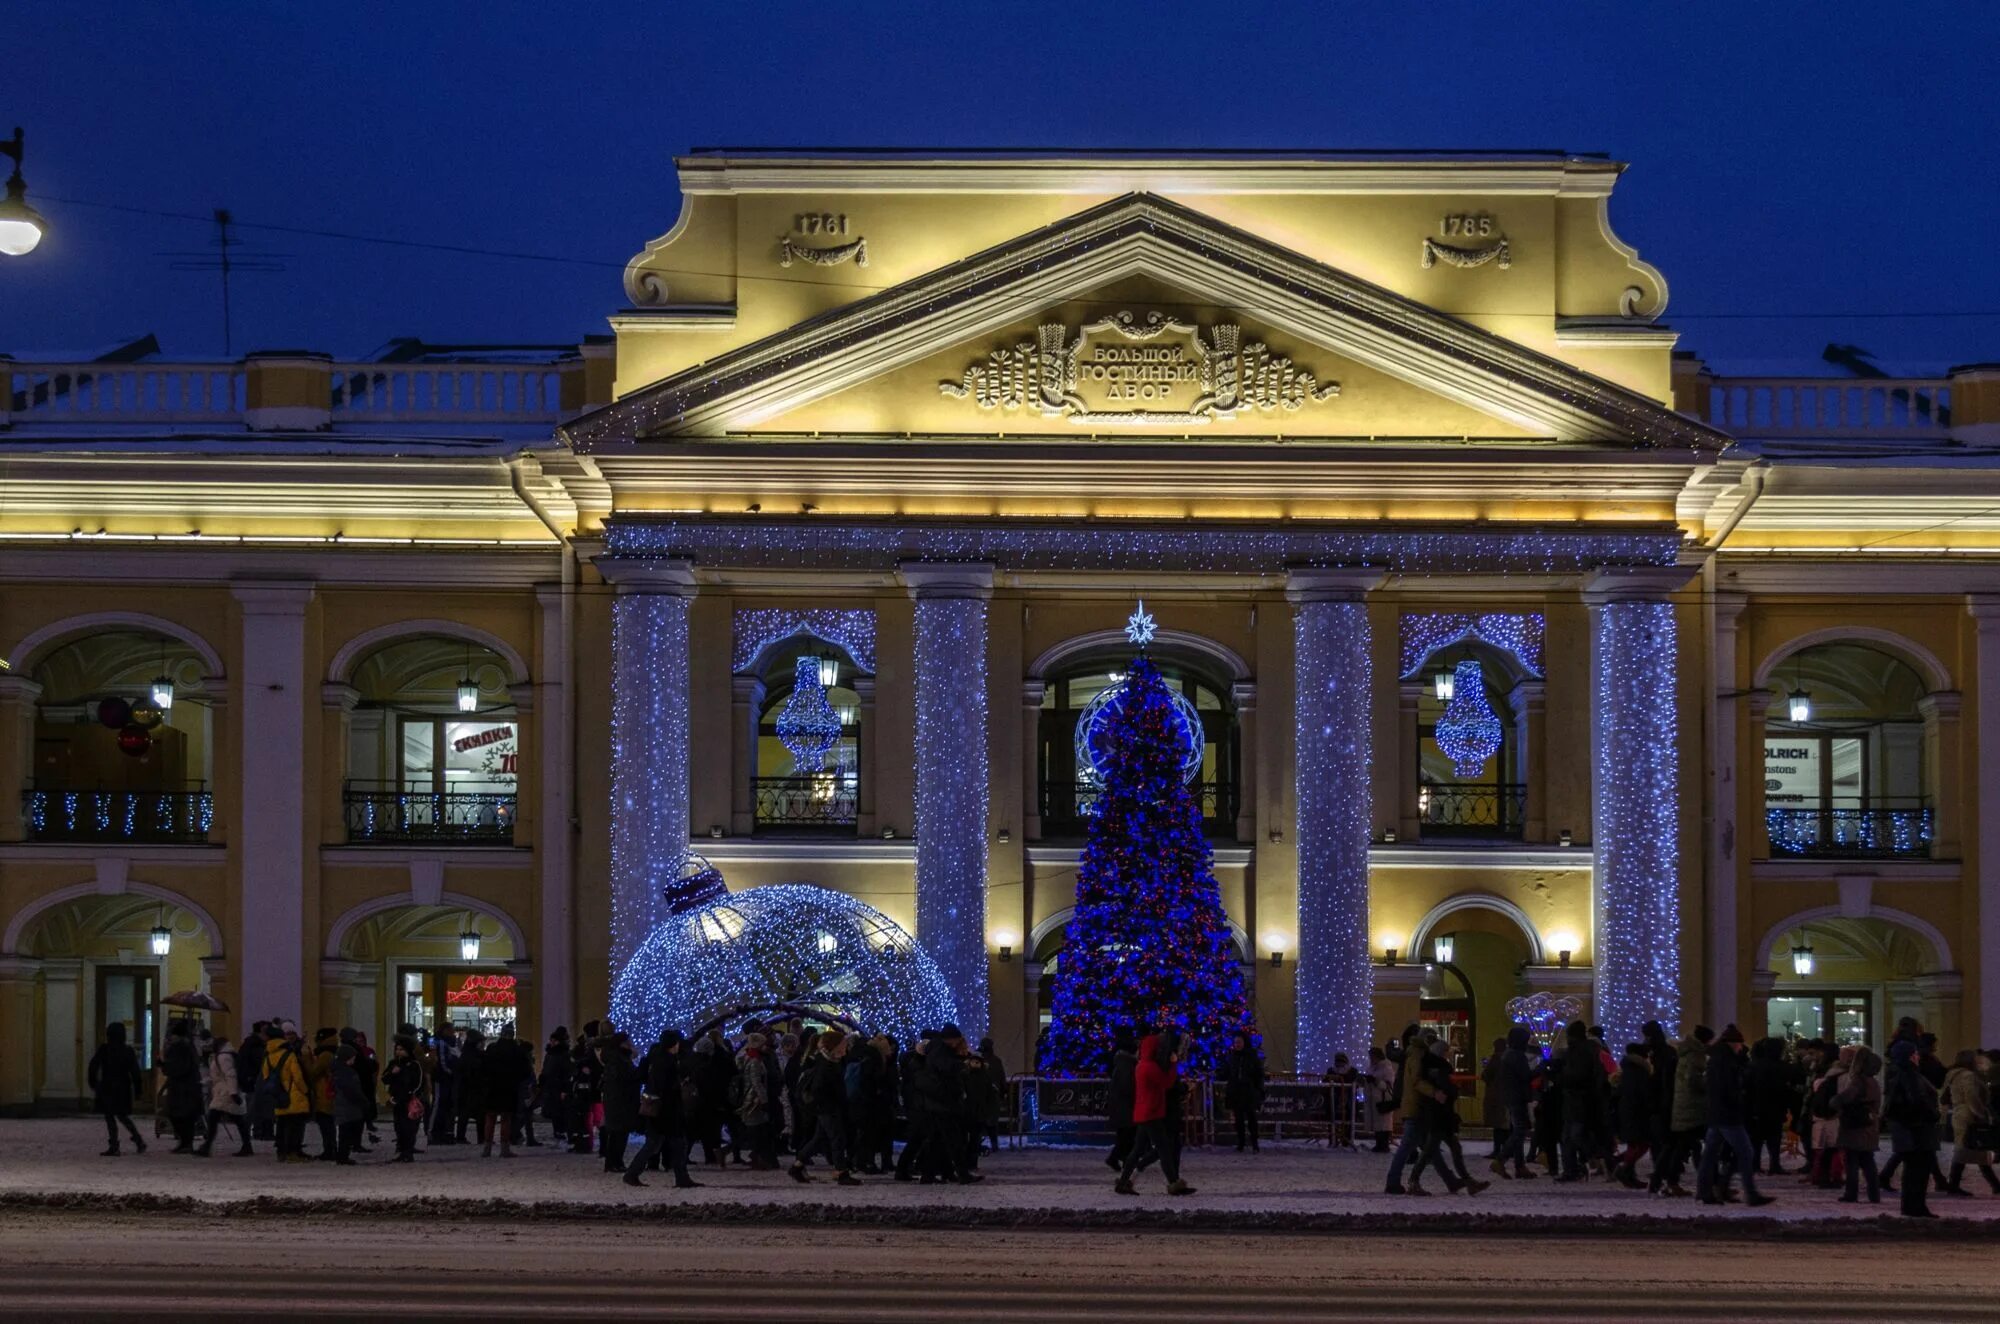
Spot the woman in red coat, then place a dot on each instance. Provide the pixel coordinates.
(1156, 1107)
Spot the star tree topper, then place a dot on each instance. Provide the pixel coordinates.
(1139, 626)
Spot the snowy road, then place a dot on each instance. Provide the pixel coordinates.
(340, 1268)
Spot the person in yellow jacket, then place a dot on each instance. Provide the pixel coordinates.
(319, 1087)
(283, 1063)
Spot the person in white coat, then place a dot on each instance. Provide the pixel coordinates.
(225, 1100)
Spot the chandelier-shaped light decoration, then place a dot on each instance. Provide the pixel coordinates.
(1468, 733)
(808, 726)
(727, 954)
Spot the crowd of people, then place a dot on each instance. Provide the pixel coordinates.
(1710, 1105)
(779, 1094)
(1709, 1108)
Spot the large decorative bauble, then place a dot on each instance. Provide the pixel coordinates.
(731, 955)
(1468, 733)
(1092, 756)
(146, 716)
(135, 741)
(114, 713)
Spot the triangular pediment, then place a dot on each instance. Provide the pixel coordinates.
(1195, 295)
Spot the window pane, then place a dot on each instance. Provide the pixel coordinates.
(1795, 1018)
(1846, 753)
(417, 764)
(1791, 771)
(480, 756)
(1850, 1019)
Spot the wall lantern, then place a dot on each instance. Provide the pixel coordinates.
(1802, 958)
(1444, 685)
(162, 693)
(1388, 956)
(1005, 940)
(1442, 947)
(468, 945)
(162, 938)
(829, 671)
(468, 695)
(1275, 942)
(1798, 706)
(21, 226)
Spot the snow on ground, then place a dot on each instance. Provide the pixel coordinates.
(59, 1157)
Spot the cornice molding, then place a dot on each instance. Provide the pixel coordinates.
(1141, 233)
(327, 565)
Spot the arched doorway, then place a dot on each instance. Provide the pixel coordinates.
(1474, 948)
(433, 744)
(123, 740)
(1472, 740)
(1848, 980)
(425, 966)
(96, 960)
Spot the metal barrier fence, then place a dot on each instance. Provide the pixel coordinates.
(1077, 1108)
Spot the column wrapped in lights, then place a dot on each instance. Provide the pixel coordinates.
(951, 777)
(1636, 801)
(1333, 800)
(649, 741)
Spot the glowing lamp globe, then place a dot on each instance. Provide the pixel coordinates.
(162, 939)
(162, 694)
(1798, 706)
(21, 226)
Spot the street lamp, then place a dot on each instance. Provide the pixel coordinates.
(21, 226)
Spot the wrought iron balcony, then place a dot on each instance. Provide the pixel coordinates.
(411, 813)
(1067, 806)
(822, 800)
(58, 813)
(1890, 827)
(1472, 809)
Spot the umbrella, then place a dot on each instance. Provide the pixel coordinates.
(195, 1000)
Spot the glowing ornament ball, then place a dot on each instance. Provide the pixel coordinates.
(719, 953)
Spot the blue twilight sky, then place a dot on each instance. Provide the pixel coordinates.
(1790, 158)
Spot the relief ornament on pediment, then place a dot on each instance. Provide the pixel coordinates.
(1131, 369)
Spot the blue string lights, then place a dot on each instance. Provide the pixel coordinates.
(758, 628)
(1469, 732)
(1424, 633)
(951, 795)
(807, 725)
(716, 953)
(1335, 980)
(1637, 818)
(1095, 724)
(649, 758)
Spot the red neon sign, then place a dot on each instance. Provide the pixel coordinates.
(481, 991)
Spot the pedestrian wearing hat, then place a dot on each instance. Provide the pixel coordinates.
(1728, 1123)
(404, 1079)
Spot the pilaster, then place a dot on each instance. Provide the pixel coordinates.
(1032, 694)
(746, 704)
(1986, 742)
(17, 751)
(270, 854)
(1942, 753)
(1723, 867)
(1243, 696)
(555, 840)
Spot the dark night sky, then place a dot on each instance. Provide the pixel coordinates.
(1797, 158)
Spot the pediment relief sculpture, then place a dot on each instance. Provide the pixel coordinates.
(1132, 369)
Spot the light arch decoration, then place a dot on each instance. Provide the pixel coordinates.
(1498, 905)
(25, 918)
(355, 651)
(1904, 649)
(757, 630)
(1767, 946)
(337, 933)
(1518, 634)
(28, 650)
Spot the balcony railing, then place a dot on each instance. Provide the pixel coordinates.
(1067, 807)
(1829, 406)
(57, 813)
(403, 813)
(1896, 828)
(1472, 809)
(824, 801)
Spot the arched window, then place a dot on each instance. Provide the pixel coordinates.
(1844, 766)
(1472, 755)
(808, 738)
(434, 746)
(1065, 793)
(122, 743)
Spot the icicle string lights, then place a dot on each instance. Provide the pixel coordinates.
(758, 628)
(1335, 982)
(1637, 955)
(951, 787)
(1424, 633)
(1468, 733)
(649, 759)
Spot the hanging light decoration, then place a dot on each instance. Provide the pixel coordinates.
(1802, 958)
(829, 671)
(808, 726)
(1444, 685)
(162, 938)
(162, 693)
(1468, 733)
(468, 944)
(1798, 705)
(468, 688)
(1443, 946)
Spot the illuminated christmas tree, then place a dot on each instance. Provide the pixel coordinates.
(1148, 945)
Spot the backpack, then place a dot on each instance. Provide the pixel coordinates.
(271, 1091)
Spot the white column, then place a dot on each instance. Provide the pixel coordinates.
(952, 777)
(62, 1019)
(1635, 798)
(1985, 825)
(649, 739)
(1333, 795)
(270, 840)
(1724, 790)
(554, 836)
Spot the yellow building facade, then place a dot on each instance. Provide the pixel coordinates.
(1538, 671)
